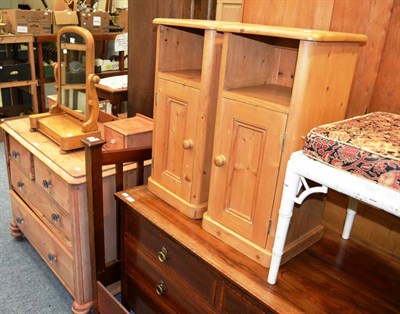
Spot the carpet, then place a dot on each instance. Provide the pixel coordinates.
(27, 284)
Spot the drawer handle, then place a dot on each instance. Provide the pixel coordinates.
(220, 160)
(187, 144)
(113, 141)
(46, 184)
(162, 254)
(14, 72)
(15, 154)
(19, 220)
(161, 288)
(20, 184)
(52, 257)
(55, 218)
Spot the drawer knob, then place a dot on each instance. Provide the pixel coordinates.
(55, 218)
(220, 160)
(19, 220)
(187, 144)
(162, 254)
(161, 288)
(20, 184)
(46, 184)
(52, 257)
(15, 154)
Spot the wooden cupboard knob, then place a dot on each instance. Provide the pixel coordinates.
(187, 144)
(220, 160)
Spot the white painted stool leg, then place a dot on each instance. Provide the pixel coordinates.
(289, 193)
(351, 212)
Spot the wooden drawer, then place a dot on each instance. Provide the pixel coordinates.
(47, 210)
(22, 157)
(49, 247)
(129, 133)
(168, 291)
(178, 262)
(233, 300)
(52, 184)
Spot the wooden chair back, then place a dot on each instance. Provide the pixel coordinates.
(103, 274)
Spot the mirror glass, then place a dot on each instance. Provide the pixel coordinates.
(72, 93)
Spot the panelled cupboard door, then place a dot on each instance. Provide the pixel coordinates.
(175, 129)
(247, 152)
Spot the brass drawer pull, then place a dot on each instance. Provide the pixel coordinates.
(220, 160)
(161, 288)
(162, 254)
(187, 144)
(46, 184)
(52, 257)
(20, 185)
(14, 72)
(15, 154)
(19, 220)
(55, 218)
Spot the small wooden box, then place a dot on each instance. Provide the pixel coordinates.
(127, 133)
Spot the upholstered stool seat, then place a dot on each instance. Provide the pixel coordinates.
(359, 157)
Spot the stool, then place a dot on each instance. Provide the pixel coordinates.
(359, 157)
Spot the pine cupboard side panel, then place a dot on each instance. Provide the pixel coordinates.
(386, 94)
(370, 18)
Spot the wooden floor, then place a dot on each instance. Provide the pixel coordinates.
(339, 276)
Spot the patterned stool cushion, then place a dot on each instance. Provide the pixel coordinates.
(367, 146)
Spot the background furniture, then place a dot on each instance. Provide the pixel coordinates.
(102, 273)
(15, 81)
(187, 71)
(49, 205)
(100, 38)
(116, 95)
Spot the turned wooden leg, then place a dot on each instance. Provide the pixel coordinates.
(81, 308)
(15, 231)
(348, 224)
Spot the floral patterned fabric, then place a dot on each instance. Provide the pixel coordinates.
(366, 146)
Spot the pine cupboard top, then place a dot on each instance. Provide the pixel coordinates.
(266, 30)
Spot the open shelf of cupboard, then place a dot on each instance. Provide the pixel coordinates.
(186, 77)
(275, 85)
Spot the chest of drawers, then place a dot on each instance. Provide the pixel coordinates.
(49, 206)
(171, 265)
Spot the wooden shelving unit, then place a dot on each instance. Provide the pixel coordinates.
(32, 82)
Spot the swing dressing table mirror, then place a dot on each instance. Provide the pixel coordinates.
(75, 113)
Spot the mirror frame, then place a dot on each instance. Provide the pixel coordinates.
(90, 117)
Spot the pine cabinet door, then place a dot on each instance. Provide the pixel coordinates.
(247, 151)
(175, 131)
